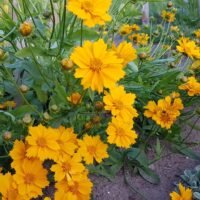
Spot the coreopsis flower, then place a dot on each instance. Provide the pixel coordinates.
(26, 29)
(67, 141)
(8, 104)
(192, 86)
(125, 51)
(18, 154)
(67, 64)
(134, 38)
(9, 189)
(97, 66)
(78, 188)
(165, 112)
(91, 12)
(184, 193)
(135, 27)
(75, 98)
(188, 47)
(31, 179)
(68, 168)
(168, 16)
(42, 143)
(197, 33)
(92, 148)
(120, 103)
(125, 29)
(121, 134)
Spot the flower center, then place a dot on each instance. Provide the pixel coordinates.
(96, 65)
(29, 178)
(41, 142)
(91, 149)
(66, 167)
(165, 116)
(120, 132)
(118, 104)
(87, 6)
(74, 188)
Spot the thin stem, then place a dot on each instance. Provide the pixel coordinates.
(16, 11)
(54, 22)
(81, 40)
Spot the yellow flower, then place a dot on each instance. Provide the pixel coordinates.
(67, 141)
(188, 47)
(192, 86)
(168, 16)
(18, 154)
(121, 133)
(75, 98)
(135, 27)
(8, 189)
(97, 66)
(78, 188)
(42, 143)
(92, 148)
(125, 29)
(8, 104)
(197, 33)
(26, 29)
(185, 193)
(91, 12)
(31, 179)
(126, 52)
(165, 112)
(120, 103)
(68, 168)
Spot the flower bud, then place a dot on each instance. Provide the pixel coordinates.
(75, 98)
(27, 119)
(26, 29)
(24, 88)
(7, 135)
(3, 55)
(184, 79)
(99, 106)
(142, 55)
(67, 64)
(46, 116)
(96, 119)
(54, 108)
(88, 126)
(169, 4)
(172, 65)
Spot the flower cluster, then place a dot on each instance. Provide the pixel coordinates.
(120, 129)
(139, 38)
(165, 112)
(126, 29)
(192, 86)
(68, 153)
(168, 16)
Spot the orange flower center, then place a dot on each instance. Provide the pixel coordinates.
(120, 132)
(91, 149)
(29, 178)
(41, 142)
(66, 167)
(118, 104)
(165, 117)
(74, 188)
(96, 65)
(87, 6)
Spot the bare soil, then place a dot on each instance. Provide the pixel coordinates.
(169, 169)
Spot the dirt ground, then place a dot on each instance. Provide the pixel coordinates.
(169, 169)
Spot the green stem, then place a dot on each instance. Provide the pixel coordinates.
(16, 11)
(54, 22)
(81, 41)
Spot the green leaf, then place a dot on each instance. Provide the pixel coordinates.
(29, 52)
(183, 149)
(133, 67)
(91, 94)
(149, 175)
(61, 92)
(22, 110)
